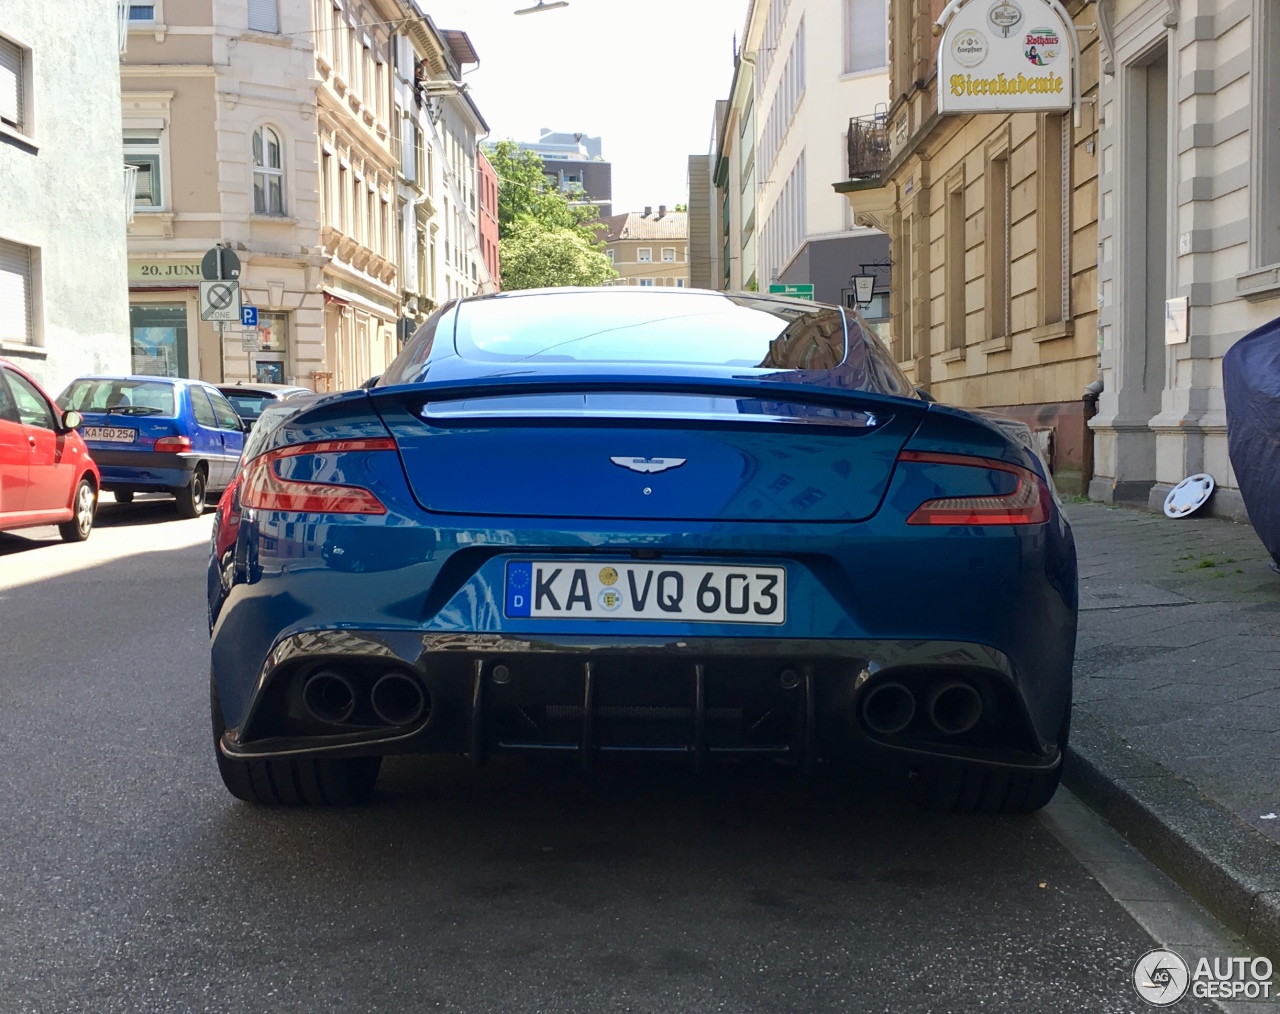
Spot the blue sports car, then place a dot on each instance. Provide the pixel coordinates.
(588, 522)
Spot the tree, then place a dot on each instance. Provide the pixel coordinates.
(682, 207)
(535, 256)
(526, 192)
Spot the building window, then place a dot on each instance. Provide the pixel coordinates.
(645, 255)
(268, 173)
(159, 332)
(609, 255)
(997, 243)
(15, 66)
(866, 36)
(669, 254)
(1265, 136)
(17, 293)
(264, 16)
(142, 149)
(1053, 240)
(343, 222)
(953, 265)
(326, 188)
(679, 283)
(905, 269)
(142, 12)
(646, 283)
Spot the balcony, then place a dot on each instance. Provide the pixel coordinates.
(868, 147)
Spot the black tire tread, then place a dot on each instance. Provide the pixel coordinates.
(185, 501)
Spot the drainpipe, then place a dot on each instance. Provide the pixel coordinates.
(1090, 402)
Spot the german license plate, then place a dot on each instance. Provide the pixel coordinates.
(691, 593)
(110, 434)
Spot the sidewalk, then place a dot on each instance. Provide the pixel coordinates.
(1176, 733)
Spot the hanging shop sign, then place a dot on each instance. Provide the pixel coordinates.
(1006, 56)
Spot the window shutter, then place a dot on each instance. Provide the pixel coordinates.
(868, 35)
(10, 84)
(15, 292)
(263, 16)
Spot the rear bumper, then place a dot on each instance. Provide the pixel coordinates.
(587, 696)
(143, 470)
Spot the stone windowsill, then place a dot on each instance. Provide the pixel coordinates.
(23, 140)
(24, 348)
(953, 356)
(1001, 343)
(1052, 332)
(1260, 283)
(273, 219)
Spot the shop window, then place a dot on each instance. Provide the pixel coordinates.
(159, 339)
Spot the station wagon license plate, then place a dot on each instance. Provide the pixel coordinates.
(691, 593)
(110, 434)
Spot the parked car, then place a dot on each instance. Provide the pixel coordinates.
(586, 522)
(158, 435)
(250, 399)
(46, 474)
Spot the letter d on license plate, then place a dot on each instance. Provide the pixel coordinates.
(690, 593)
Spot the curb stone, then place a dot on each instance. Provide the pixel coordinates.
(1230, 868)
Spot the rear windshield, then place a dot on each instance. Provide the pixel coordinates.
(248, 404)
(675, 329)
(126, 397)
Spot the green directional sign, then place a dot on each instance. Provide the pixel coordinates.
(798, 291)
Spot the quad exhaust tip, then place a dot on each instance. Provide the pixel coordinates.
(954, 707)
(329, 697)
(398, 699)
(888, 708)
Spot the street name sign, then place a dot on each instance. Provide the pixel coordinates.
(220, 301)
(798, 291)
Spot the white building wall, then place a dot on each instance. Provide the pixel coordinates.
(810, 123)
(63, 193)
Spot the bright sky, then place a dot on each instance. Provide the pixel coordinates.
(643, 75)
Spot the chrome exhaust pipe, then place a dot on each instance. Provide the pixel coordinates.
(888, 708)
(398, 699)
(329, 697)
(954, 707)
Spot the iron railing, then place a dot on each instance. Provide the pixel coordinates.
(868, 146)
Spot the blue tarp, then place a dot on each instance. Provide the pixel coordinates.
(1251, 384)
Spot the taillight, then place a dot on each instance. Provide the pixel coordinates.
(1028, 504)
(173, 445)
(262, 487)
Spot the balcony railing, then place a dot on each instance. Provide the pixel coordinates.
(868, 146)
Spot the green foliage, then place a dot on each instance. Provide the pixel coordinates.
(525, 192)
(535, 256)
(682, 207)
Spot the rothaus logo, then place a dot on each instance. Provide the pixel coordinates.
(649, 464)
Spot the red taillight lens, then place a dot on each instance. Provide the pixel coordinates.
(173, 445)
(262, 487)
(1028, 504)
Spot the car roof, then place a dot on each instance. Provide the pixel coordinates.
(142, 378)
(270, 388)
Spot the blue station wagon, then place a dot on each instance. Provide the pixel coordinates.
(158, 435)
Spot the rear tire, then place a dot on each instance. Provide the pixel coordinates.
(190, 498)
(85, 506)
(123, 496)
(957, 787)
(344, 781)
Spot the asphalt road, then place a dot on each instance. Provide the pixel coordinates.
(131, 881)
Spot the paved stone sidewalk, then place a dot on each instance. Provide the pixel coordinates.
(1179, 650)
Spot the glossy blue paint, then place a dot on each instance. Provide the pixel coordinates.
(499, 493)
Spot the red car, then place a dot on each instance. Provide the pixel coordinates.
(46, 474)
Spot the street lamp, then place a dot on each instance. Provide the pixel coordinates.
(543, 6)
(863, 289)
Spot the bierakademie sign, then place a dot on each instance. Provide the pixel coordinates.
(1005, 56)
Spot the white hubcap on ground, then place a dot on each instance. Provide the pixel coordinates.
(1188, 495)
